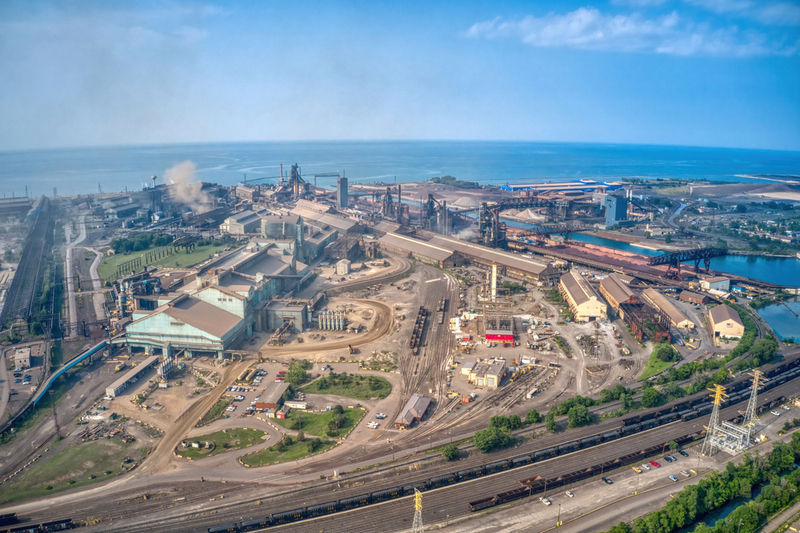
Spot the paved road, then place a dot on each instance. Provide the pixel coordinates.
(73, 307)
(5, 387)
(779, 520)
(98, 298)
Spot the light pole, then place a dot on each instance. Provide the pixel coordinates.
(558, 522)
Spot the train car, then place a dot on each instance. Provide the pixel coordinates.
(471, 473)
(498, 466)
(443, 481)
(255, 525)
(547, 453)
(528, 481)
(515, 494)
(356, 501)
(591, 441)
(630, 430)
(385, 495)
(421, 486)
(649, 424)
(705, 410)
(8, 519)
(33, 528)
(612, 435)
(688, 415)
(288, 517)
(485, 503)
(57, 525)
(630, 421)
(666, 419)
(228, 528)
(322, 509)
(569, 447)
(521, 461)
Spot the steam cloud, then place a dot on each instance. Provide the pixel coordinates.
(186, 189)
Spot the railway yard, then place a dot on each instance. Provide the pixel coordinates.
(356, 374)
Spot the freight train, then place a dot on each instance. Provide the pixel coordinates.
(685, 410)
(46, 527)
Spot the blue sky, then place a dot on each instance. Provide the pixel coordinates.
(685, 72)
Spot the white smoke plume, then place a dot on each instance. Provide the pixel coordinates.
(467, 235)
(185, 188)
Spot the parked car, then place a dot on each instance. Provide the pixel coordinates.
(646, 467)
(17, 380)
(672, 457)
(637, 470)
(685, 473)
(786, 407)
(655, 464)
(380, 416)
(569, 493)
(17, 375)
(544, 500)
(668, 459)
(683, 453)
(673, 478)
(776, 413)
(608, 481)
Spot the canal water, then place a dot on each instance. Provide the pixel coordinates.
(778, 270)
(783, 319)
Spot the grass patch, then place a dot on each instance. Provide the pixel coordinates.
(457, 443)
(654, 365)
(292, 452)
(178, 260)
(78, 466)
(358, 387)
(317, 423)
(216, 412)
(233, 439)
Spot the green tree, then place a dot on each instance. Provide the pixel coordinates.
(490, 438)
(297, 375)
(450, 452)
(550, 422)
(338, 410)
(579, 416)
(533, 417)
(301, 436)
(668, 238)
(741, 208)
(651, 397)
(674, 446)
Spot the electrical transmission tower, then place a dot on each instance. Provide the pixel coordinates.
(709, 444)
(751, 415)
(417, 527)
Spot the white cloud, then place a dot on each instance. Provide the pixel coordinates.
(782, 14)
(589, 29)
(639, 3)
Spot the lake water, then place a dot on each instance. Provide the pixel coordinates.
(782, 320)
(82, 170)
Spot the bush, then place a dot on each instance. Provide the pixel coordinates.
(651, 397)
(450, 452)
(579, 416)
(666, 353)
(301, 436)
(550, 422)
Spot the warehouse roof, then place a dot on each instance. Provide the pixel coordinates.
(416, 246)
(721, 313)
(664, 305)
(274, 392)
(618, 290)
(578, 288)
(202, 316)
(490, 254)
(244, 216)
(133, 372)
(414, 409)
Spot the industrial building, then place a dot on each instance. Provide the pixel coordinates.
(447, 252)
(717, 283)
(241, 223)
(272, 397)
(224, 305)
(132, 376)
(343, 267)
(582, 298)
(615, 290)
(414, 410)
(568, 186)
(488, 375)
(662, 304)
(725, 322)
(616, 209)
(693, 297)
(22, 357)
(341, 192)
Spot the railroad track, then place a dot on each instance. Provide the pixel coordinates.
(322, 493)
